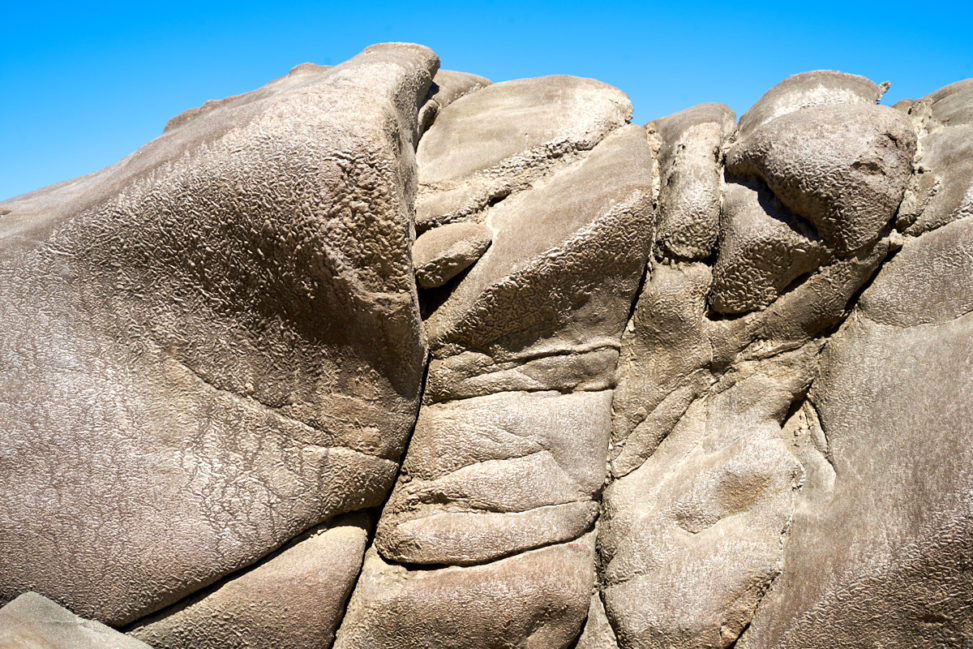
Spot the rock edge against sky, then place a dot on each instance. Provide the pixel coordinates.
(382, 356)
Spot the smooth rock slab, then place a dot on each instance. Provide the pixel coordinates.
(692, 538)
(500, 139)
(490, 476)
(34, 622)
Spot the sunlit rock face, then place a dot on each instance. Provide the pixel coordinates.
(381, 355)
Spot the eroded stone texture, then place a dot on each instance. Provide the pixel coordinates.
(535, 600)
(34, 622)
(524, 475)
(598, 632)
(942, 189)
(763, 248)
(691, 165)
(884, 556)
(695, 522)
(807, 89)
(498, 140)
(844, 168)
(692, 538)
(213, 345)
(442, 253)
(505, 465)
(447, 87)
(293, 599)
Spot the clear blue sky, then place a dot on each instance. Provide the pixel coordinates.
(82, 86)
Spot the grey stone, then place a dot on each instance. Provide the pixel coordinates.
(293, 599)
(952, 105)
(672, 353)
(292, 80)
(447, 87)
(217, 341)
(444, 252)
(587, 227)
(663, 362)
(807, 89)
(942, 190)
(690, 165)
(691, 539)
(34, 622)
(763, 248)
(499, 140)
(883, 555)
(844, 168)
(525, 475)
(534, 599)
(504, 481)
(745, 425)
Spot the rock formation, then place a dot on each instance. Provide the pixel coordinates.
(384, 356)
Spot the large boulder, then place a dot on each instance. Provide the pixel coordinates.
(213, 345)
(808, 89)
(842, 167)
(692, 385)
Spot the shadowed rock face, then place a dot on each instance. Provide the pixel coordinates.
(693, 384)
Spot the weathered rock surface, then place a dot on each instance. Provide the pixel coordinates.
(844, 168)
(763, 248)
(34, 622)
(535, 599)
(513, 458)
(447, 86)
(690, 162)
(666, 404)
(214, 345)
(442, 253)
(293, 599)
(885, 554)
(942, 189)
(497, 141)
(808, 89)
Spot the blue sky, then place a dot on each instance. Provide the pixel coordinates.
(83, 86)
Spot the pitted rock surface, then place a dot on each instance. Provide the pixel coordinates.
(693, 384)
(844, 168)
(691, 159)
(442, 253)
(215, 345)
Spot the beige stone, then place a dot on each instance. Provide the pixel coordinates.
(213, 345)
